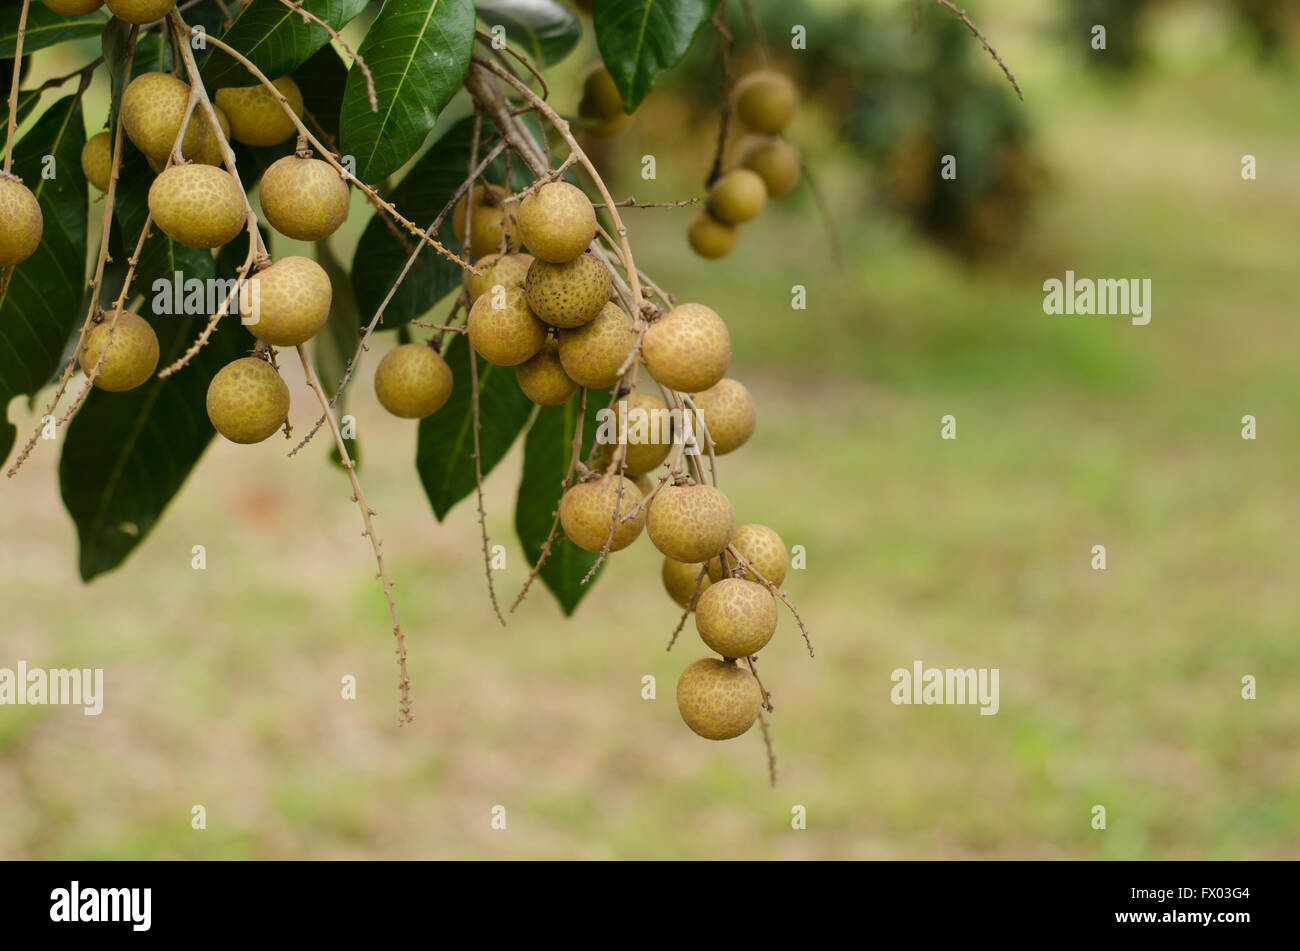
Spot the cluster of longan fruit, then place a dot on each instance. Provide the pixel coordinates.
(767, 165)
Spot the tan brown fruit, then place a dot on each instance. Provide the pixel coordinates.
(542, 377)
(644, 484)
(709, 237)
(729, 414)
(209, 152)
(130, 352)
(73, 8)
(679, 580)
(503, 329)
(140, 11)
(766, 101)
(287, 302)
(247, 401)
(592, 354)
(608, 128)
(557, 222)
(718, 699)
(304, 199)
(690, 523)
(687, 349)
(21, 222)
(255, 114)
(197, 205)
(649, 433)
(760, 547)
(601, 99)
(97, 160)
(737, 197)
(569, 294)
(775, 160)
(735, 617)
(153, 108)
(413, 381)
(508, 270)
(490, 212)
(587, 512)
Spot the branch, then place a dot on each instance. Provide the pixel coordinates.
(719, 21)
(961, 15)
(309, 17)
(13, 87)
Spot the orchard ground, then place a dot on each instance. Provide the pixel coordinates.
(1118, 687)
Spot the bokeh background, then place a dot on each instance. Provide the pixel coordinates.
(1118, 687)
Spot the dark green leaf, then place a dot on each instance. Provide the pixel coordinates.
(322, 79)
(27, 101)
(418, 52)
(338, 340)
(44, 28)
(640, 38)
(444, 455)
(42, 302)
(275, 39)
(542, 30)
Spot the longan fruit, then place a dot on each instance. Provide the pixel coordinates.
(288, 302)
(687, 349)
(73, 8)
(140, 12)
(761, 547)
(542, 377)
(709, 237)
(766, 101)
(737, 197)
(601, 99)
(131, 356)
(255, 114)
(736, 617)
(649, 438)
(587, 512)
(729, 414)
(247, 401)
(97, 160)
(557, 222)
(593, 353)
(718, 699)
(197, 205)
(690, 523)
(209, 152)
(569, 294)
(505, 269)
(775, 160)
(303, 198)
(413, 381)
(506, 335)
(153, 108)
(23, 223)
(679, 580)
(490, 213)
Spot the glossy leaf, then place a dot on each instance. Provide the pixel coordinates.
(322, 80)
(640, 38)
(44, 28)
(542, 30)
(275, 39)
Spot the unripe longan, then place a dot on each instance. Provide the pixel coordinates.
(709, 237)
(287, 302)
(649, 436)
(247, 401)
(132, 352)
(729, 414)
(506, 335)
(153, 108)
(557, 222)
(490, 211)
(735, 617)
(600, 96)
(570, 294)
(737, 197)
(687, 349)
(587, 512)
(197, 205)
(21, 222)
(761, 547)
(775, 160)
(413, 381)
(679, 580)
(73, 8)
(255, 114)
(766, 101)
(140, 11)
(542, 377)
(303, 198)
(690, 523)
(509, 270)
(593, 353)
(97, 160)
(209, 152)
(718, 699)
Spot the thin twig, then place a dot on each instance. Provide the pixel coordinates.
(719, 21)
(746, 565)
(308, 16)
(633, 203)
(13, 87)
(755, 32)
(961, 15)
(771, 753)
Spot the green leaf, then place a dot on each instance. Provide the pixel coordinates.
(337, 341)
(42, 302)
(418, 52)
(547, 450)
(27, 101)
(444, 454)
(322, 80)
(640, 38)
(542, 30)
(44, 28)
(275, 39)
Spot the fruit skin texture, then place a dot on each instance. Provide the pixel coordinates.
(507, 335)
(256, 117)
(737, 197)
(542, 377)
(557, 222)
(592, 354)
(303, 199)
(688, 348)
(762, 548)
(292, 299)
(153, 108)
(247, 401)
(132, 352)
(23, 223)
(709, 237)
(587, 510)
(413, 381)
(567, 295)
(729, 413)
(690, 523)
(97, 160)
(718, 699)
(643, 425)
(775, 160)
(735, 617)
(489, 212)
(766, 101)
(73, 8)
(209, 152)
(679, 580)
(197, 205)
(140, 11)
(508, 270)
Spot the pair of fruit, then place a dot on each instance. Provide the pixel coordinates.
(687, 523)
(130, 11)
